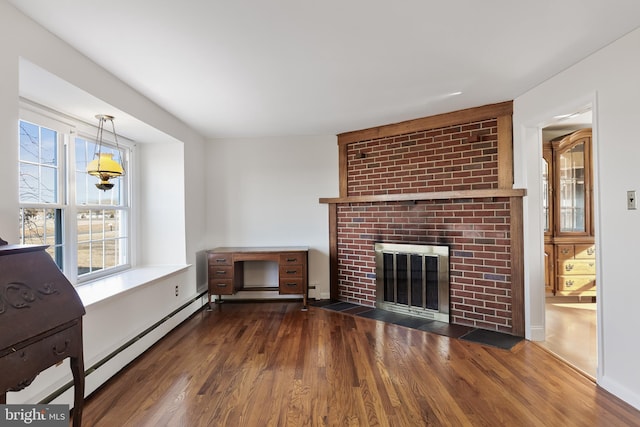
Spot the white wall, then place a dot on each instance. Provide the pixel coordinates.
(110, 323)
(609, 80)
(161, 203)
(265, 191)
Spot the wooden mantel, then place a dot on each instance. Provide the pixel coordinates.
(442, 195)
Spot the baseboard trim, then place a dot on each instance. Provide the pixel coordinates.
(123, 347)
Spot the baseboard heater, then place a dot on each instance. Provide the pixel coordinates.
(123, 347)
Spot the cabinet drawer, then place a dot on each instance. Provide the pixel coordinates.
(220, 259)
(565, 251)
(220, 272)
(291, 271)
(292, 258)
(577, 267)
(221, 287)
(576, 283)
(291, 286)
(19, 366)
(585, 251)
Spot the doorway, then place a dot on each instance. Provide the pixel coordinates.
(569, 240)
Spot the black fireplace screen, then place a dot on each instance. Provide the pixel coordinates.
(413, 279)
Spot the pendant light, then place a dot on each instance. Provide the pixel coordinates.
(103, 166)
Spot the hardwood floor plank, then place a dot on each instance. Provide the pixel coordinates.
(271, 364)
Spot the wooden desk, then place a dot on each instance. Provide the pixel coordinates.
(226, 272)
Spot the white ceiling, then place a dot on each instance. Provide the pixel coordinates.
(250, 68)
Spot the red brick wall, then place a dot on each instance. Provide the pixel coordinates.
(435, 160)
(477, 231)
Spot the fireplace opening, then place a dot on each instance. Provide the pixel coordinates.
(413, 279)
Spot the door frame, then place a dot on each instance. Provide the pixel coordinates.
(527, 146)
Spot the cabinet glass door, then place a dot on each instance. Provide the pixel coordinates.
(572, 189)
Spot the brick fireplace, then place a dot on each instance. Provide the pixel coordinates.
(441, 180)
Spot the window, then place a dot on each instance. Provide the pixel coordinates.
(101, 222)
(87, 229)
(41, 210)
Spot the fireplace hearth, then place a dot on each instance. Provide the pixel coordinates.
(413, 279)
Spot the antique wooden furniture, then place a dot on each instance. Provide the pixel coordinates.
(40, 321)
(226, 272)
(568, 208)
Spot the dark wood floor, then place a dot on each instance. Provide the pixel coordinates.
(271, 364)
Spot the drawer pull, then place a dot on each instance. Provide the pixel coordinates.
(292, 259)
(565, 251)
(292, 271)
(292, 284)
(221, 260)
(569, 283)
(221, 285)
(568, 267)
(63, 351)
(221, 272)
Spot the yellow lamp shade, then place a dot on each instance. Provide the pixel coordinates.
(105, 167)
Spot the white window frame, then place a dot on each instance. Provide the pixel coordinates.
(68, 130)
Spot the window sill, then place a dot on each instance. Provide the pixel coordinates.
(108, 287)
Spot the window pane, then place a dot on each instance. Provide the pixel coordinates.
(97, 256)
(48, 185)
(110, 253)
(82, 181)
(83, 224)
(48, 147)
(43, 227)
(29, 183)
(84, 259)
(29, 142)
(97, 225)
(101, 240)
(111, 224)
(38, 164)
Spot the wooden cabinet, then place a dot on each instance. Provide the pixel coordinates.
(568, 215)
(226, 270)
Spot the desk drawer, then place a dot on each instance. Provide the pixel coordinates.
(291, 271)
(220, 272)
(19, 366)
(292, 258)
(291, 286)
(221, 286)
(220, 259)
